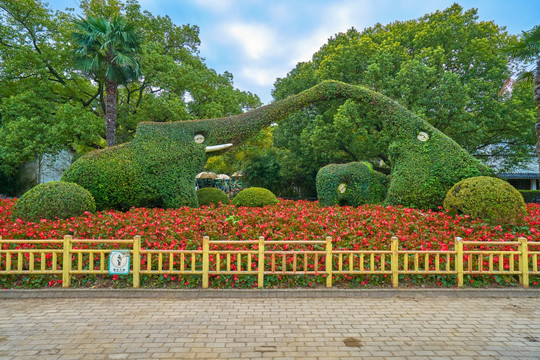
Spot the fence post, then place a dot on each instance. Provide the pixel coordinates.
(66, 263)
(394, 262)
(328, 264)
(459, 261)
(524, 262)
(260, 268)
(205, 262)
(137, 261)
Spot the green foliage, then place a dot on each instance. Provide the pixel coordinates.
(491, 199)
(108, 49)
(162, 161)
(234, 160)
(255, 197)
(210, 195)
(444, 67)
(527, 51)
(263, 169)
(47, 105)
(529, 195)
(111, 177)
(351, 184)
(53, 200)
(16, 184)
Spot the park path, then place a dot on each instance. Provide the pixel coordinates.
(276, 328)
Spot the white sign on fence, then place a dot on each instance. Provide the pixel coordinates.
(119, 262)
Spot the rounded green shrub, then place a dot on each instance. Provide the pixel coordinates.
(351, 184)
(210, 195)
(491, 199)
(53, 200)
(255, 196)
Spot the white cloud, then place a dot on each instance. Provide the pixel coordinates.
(262, 76)
(255, 40)
(268, 50)
(339, 17)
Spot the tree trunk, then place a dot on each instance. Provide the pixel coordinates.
(111, 88)
(537, 99)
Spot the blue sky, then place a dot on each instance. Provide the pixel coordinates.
(259, 41)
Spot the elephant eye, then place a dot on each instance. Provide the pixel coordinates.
(422, 136)
(199, 139)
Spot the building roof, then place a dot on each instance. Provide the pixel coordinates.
(518, 175)
(528, 170)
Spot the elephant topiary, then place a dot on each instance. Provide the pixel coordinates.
(352, 184)
(158, 168)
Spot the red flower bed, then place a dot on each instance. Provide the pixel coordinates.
(366, 227)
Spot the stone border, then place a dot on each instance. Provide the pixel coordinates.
(266, 293)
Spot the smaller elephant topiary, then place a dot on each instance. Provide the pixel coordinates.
(351, 184)
(493, 200)
(53, 200)
(212, 196)
(255, 197)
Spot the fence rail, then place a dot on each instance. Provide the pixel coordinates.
(261, 258)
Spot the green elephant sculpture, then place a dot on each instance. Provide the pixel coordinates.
(158, 168)
(353, 184)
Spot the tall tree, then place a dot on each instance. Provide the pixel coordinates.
(108, 49)
(445, 66)
(47, 104)
(528, 50)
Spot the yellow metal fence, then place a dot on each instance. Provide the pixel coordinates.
(70, 257)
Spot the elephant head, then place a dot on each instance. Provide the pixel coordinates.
(158, 168)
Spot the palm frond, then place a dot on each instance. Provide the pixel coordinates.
(526, 76)
(110, 47)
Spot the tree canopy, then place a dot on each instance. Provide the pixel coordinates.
(108, 50)
(47, 104)
(527, 50)
(445, 67)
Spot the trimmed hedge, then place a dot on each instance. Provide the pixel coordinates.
(352, 184)
(529, 195)
(53, 200)
(158, 168)
(491, 199)
(212, 196)
(255, 197)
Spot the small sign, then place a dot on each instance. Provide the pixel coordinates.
(342, 188)
(119, 262)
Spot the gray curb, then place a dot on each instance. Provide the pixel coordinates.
(267, 293)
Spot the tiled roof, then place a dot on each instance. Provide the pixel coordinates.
(518, 175)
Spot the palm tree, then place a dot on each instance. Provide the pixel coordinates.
(528, 50)
(108, 50)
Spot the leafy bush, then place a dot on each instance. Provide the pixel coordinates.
(255, 196)
(529, 195)
(210, 195)
(110, 176)
(491, 199)
(53, 200)
(352, 184)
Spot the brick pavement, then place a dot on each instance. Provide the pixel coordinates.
(417, 327)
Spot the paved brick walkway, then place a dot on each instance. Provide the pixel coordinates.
(277, 328)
